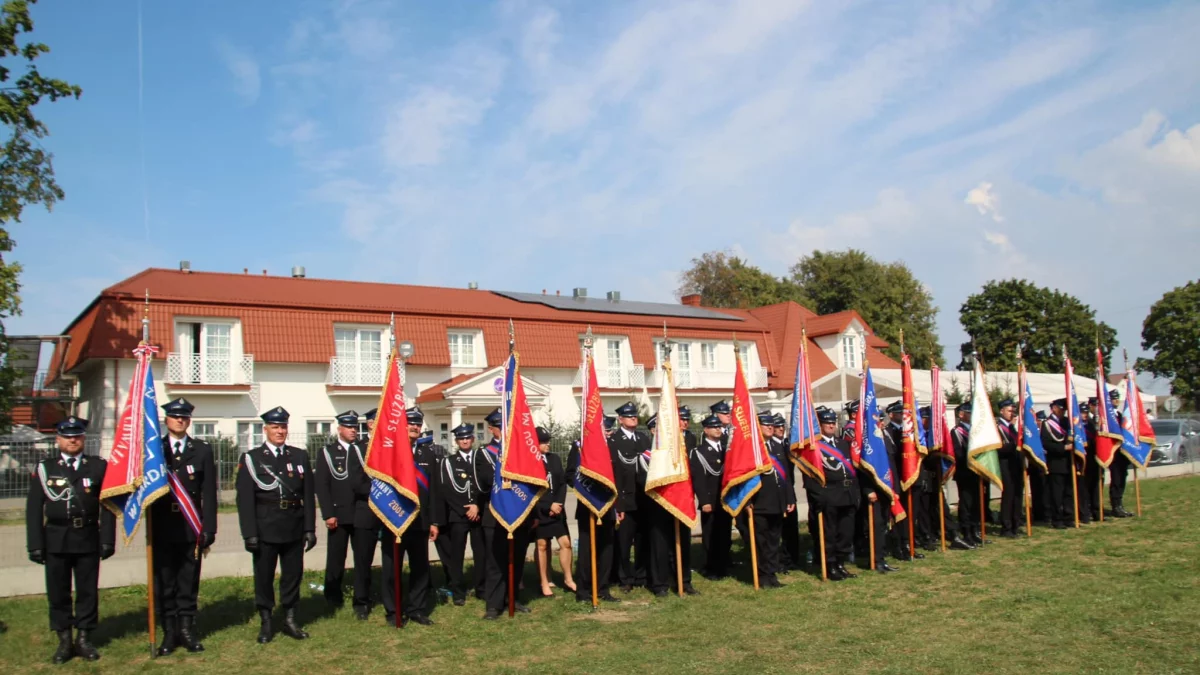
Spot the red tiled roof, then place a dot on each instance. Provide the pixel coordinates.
(438, 391)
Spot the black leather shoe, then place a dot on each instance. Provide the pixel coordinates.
(661, 592)
(169, 638)
(291, 628)
(689, 589)
(521, 609)
(361, 613)
(460, 600)
(265, 634)
(84, 649)
(491, 615)
(609, 597)
(65, 651)
(849, 575)
(421, 619)
(626, 588)
(187, 635)
(960, 545)
(917, 555)
(835, 574)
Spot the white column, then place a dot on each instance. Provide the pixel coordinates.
(456, 414)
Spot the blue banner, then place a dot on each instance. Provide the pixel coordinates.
(873, 456)
(1078, 430)
(1031, 440)
(153, 482)
(1131, 445)
(592, 491)
(737, 495)
(512, 500)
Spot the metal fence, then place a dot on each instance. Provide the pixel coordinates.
(19, 459)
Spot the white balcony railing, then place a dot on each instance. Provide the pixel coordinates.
(632, 377)
(356, 372)
(209, 369)
(756, 378)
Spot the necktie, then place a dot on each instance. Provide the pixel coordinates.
(71, 463)
(178, 449)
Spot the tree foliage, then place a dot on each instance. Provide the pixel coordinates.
(887, 296)
(26, 168)
(725, 280)
(1172, 332)
(1015, 312)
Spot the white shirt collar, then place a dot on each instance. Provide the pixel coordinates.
(277, 451)
(344, 444)
(68, 458)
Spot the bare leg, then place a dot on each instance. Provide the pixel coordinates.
(564, 559)
(543, 564)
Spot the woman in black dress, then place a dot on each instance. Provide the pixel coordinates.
(552, 519)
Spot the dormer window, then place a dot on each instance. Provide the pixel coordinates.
(850, 351)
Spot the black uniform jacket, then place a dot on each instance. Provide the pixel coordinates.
(348, 498)
(556, 493)
(428, 460)
(275, 495)
(707, 463)
(197, 471)
(776, 494)
(63, 512)
(1010, 442)
(629, 467)
(456, 483)
(571, 474)
(1054, 440)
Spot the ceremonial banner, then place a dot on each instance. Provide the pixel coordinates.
(939, 442)
(745, 458)
(667, 479)
(595, 483)
(137, 471)
(1078, 430)
(1031, 436)
(1137, 436)
(1108, 428)
(804, 432)
(910, 450)
(395, 478)
(520, 474)
(869, 451)
(982, 456)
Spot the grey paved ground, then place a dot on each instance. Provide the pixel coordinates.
(18, 576)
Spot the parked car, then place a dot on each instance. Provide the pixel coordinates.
(1176, 441)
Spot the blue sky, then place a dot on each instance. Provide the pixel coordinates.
(530, 146)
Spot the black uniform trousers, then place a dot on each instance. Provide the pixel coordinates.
(924, 529)
(415, 545)
(452, 550)
(967, 482)
(1012, 499)
(633, 543)
(604, 558)
(1039, 493)
(814, 508)
(1118, 475)
(873, 516)
(495, 589)
(478, 556)
(176, 579)
(1062, 509)
(1093, 474)
(290, 559)
(362, 540)
(792, 557)
(768, 532)
(1079, 492)
(717, 536)
(839, 533)
(85, 569)
(898, 536)
(661, 568)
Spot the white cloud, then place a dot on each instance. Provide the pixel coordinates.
(422, 128)
(985, 201)
(243, 67)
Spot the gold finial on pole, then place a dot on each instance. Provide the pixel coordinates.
(146, 319)
(512, 337)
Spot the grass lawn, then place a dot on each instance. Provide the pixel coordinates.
(1121, 597)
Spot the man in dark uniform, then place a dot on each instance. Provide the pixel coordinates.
(177, 549)
(685, 419)
(462, 515)
(344, 489)
(369, 418)
(724, 412)
(966, 480)
(1118, 470)
(773, 500)
(892, 432)
(792, 558)
(415, 542)
(1039, 481)
(1012, 472)
(1087, 470)
(660, 572)
(629, 466)
(278, 520)
(924, 499)
(838, 500)
(67, 531)
(605, 534)
(706, 462)
(495, 594)
(874, 507)
(1059, 464)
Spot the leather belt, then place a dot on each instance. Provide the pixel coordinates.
(847, 483)
(285, 504)
(74, 523)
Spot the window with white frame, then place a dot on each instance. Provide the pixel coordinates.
(205, 353)
(708, 356)
(204, 430)
(462, 350)
(850, 351)
(683, 355)
(744, 356)
(359, 353)
(320, 428)
(250, 435)
(613, 352)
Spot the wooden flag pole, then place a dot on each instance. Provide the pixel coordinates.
(396, 570)
(1075, 485)
(753, 546)
(1137, 490)
(1100, 493)
(821, 536)
(1028, 506)
(595, 582)
(942, 514)
(912, 539)
(870, 536)
(982, 509)
(678, 559)
(150, 583)
(512, 589)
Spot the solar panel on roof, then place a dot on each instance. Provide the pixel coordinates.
(617, 306)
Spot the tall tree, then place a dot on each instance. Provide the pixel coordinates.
(886, 295)
(724, 280)
(26, 170)
(1005, 314)
(1172, 332)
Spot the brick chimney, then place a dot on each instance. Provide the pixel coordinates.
(691, 300)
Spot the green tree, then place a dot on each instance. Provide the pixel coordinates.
(1172, 332)
(887, 296)
(724, 280)
(1015, 312)
(26, 170)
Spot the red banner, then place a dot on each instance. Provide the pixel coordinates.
(595, 459)
(910, 457)
(522, 459)
(389, 457)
